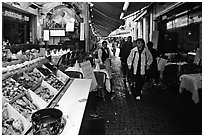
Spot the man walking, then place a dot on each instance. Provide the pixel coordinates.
(124, 53)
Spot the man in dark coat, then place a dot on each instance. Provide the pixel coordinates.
(153, 73)
(124, 53)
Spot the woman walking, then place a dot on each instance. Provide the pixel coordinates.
(138, 61)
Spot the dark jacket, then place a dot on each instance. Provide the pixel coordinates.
(125, 51)
(154, 53)
(104, 55)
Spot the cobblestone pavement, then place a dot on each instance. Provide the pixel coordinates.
(158, 113)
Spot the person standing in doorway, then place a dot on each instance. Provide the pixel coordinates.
(139, 61)
(124, 53)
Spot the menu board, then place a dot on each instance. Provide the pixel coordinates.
(57, 33)
(70, 26)
(88, 73)
(46, 35)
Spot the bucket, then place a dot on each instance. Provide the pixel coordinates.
(47, 121)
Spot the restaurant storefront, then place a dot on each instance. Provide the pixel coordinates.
(179, 29)
(17, 25)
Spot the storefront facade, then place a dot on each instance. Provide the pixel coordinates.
(171, 26)
(179, 28)
(18, 26)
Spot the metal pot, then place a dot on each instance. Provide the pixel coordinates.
(47, 121)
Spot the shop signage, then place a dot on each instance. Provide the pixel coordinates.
(14, 15)
(57, 33)
(180, 22)
(195, 19)
(46, 36)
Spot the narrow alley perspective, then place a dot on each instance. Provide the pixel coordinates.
(101, 68)
(162, 111)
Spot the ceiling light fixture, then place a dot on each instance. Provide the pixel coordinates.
(121, 15)
(91, 4)
(125, 6)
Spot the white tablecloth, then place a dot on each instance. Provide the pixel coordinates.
(191, 82)
(180, 64)
(177, 63)
(73, 104)
(161, 62)
(108, 86)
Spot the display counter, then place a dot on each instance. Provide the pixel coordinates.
(31, 86)
(73, 104)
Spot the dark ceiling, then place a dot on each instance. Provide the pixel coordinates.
(106, 15)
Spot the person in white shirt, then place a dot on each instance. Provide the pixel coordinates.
(139, 60)
(104, 57)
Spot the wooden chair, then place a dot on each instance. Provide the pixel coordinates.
(62, 60)
(74, 74)
(101, 81)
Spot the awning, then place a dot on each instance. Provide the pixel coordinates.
(140, 15)
(16, 9)
(135, 6)
(106, 15)
(119, 33)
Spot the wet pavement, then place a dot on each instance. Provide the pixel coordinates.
(162, 111)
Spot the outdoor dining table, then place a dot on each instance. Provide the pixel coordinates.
(108, 85)
(191, 82)
(180, 64)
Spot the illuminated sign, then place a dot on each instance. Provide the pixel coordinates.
(15, 15)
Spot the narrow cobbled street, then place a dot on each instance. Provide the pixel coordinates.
(158, 113)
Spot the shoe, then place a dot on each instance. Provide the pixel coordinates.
(94, 115)
(113, 97)
(138, 98)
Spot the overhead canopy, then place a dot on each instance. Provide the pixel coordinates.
(135, 6)
(123, 35)
(119, 33)
(106, 15)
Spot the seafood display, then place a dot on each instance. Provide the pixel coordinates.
(10, 125)
(25, 82)
(45, 93)
(24, 106)
(54, 82)
(25, 92)
(35, 76)
(11, 89)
